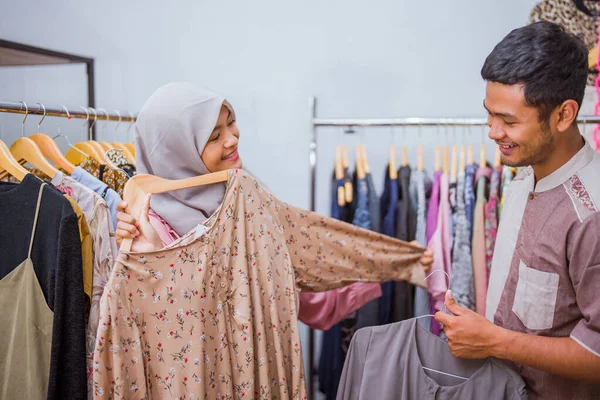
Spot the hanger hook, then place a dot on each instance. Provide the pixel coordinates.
(120, 119)
(24, 119)
(87, 118)
(58, 124)
(44, 117)
(95, 119)
(131, 123)
(106, 119)
(436, 271)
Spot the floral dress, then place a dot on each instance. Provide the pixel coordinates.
(214, 315)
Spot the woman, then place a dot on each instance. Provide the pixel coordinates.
(184, 131)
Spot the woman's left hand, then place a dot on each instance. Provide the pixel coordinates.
(427, 258)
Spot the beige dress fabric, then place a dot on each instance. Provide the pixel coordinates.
(214, 316)
(26, 330)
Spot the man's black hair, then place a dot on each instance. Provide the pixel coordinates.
(550, 63)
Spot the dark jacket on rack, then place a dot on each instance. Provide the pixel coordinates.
(56, 256)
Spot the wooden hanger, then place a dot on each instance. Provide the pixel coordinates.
(470, 158)
(498, 158)
(339, 175)
(105, 146)
(349, 193)
(9, 164)
(454, 166)
(139, 186)
(593, 57)
(99, 150)
(392, 164)
(80, 151)
(25, 149)
(462, 165)
(364, 159)
(438, 158)
(126, 151)
(50, 150)
(446, 169)
(420, 158)
(404, 156)
(482, 161)
(360, 166)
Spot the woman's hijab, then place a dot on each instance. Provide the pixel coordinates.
(171, 132)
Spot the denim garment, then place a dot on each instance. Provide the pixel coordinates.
(389, 212)
(470, 172)
(461, 278)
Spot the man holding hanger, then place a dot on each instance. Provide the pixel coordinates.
(543, 304)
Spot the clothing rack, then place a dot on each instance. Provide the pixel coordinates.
(89, 113)
(376, 122)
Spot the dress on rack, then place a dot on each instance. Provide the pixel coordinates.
(217, 314)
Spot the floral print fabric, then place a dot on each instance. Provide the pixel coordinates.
(113, 178)
(215, 316)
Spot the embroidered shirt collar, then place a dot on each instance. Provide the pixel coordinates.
(570, 168)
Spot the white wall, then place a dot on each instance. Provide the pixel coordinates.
(371, 59)
(377, 58)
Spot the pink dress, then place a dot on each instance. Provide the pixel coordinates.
(320, 310)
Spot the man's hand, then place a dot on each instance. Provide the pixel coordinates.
(470, 335)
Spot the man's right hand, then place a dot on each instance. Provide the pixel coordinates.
(143, 234)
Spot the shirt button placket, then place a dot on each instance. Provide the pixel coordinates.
(531, 196)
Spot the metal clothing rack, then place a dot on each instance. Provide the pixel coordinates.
(98, 114)
(375, 122)
(13, 54)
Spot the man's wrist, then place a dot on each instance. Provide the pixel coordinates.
(502, 340)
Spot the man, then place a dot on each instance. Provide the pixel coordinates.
(544, 288)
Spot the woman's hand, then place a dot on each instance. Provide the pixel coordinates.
(143, 234)
(427, 258)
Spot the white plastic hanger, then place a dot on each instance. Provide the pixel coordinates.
(432, 316)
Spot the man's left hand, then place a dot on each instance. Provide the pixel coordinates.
(470, 335)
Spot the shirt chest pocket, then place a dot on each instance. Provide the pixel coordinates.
(535, 297)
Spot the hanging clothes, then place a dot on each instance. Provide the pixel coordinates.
(111, 197)
(478, 247)
(114, 178)
(87, 251)
(243, 314)
(461, 278)
(508, 173)
(389, 361)
(470, 172)
(121, 161)
(389, 214)
(374, 205)
(404, 293)
(51, 248)
(420, 193)
(440, 246)
(104, 248)
(26, 373)
(453, 204)
(434, 204)
(491, 216)
(368, 313)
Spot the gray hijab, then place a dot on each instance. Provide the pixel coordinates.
(171, 131)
